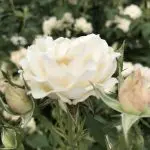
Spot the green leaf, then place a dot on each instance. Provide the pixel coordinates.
(112, 103)
(21, 147)
(37, 141)
(146, 114)
(18, 13)
(120, 64)
(27, 117)
(8, 138)
(127, 122)
(108, 143)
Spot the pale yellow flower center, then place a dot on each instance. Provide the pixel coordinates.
(64, 60)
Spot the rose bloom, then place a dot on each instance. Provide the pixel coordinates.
(133, 11)
(67, 67)
(134, 94)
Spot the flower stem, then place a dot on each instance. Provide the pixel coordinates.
(70, 131)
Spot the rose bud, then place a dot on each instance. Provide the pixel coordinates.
(134, 95)
(17, 99)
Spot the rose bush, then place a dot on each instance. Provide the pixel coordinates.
(65, 67)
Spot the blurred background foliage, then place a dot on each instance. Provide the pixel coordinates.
(25, 18)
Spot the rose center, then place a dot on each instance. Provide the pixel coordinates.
(64, 60)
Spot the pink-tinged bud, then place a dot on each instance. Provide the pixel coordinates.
(17, 100)
(134, 95)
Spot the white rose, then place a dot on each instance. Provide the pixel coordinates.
(65, 67)
(81, 24)
(133, 11)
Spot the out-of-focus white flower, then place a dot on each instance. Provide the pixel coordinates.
(115, 45)
(148, 4)
(49, 25)
(68, 18)
(73, 2)
(121, 10)
(128, 68)
(123, 23)
(16, 56)
(145, 71)
(109, 23)
(133, 11)
(31, 126)
(18, 40)
(65, 67)
(81, 24)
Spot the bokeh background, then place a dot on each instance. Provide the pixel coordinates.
(22, 20)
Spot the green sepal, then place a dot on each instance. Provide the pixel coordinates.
(111, 102)
(127, 122)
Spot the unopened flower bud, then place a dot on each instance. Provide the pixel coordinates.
(134, 95)
(17, 100)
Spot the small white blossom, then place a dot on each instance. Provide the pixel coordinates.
(122, 23)
(68, 33)
(18, 40)
(145, 72)
(73, 2)
(68, 18)
(133, 11)
(49, 25)
(81, 24)
(109, 23)
(127, 69)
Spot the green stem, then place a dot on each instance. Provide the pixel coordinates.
(12, 5)
(145, 123)
(70, 131)
(145, 4)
